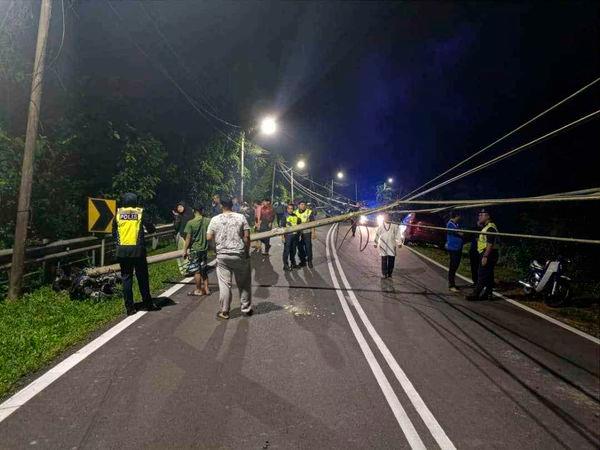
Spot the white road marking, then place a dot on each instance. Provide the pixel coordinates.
(403, 420)
(557, 322)
(428, 418)
(35, 387)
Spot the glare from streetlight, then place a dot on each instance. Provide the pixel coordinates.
(390, 180)
(340, 175)
(301, 164)
(268, 125)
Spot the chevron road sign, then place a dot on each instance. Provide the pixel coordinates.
(101, 213)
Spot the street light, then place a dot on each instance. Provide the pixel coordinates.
(340, 175)
(390, 180)
(301, 164)
(267, 126)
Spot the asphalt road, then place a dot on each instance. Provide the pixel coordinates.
(333, 358)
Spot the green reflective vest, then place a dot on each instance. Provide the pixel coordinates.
(482, 241)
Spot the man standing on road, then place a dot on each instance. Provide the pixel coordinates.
(387, 238)
(128, 231)
(267, 216)
(305, 245)
(231, 234)
(215, 207)
(487, 247)
(290, 240)
(280, 209)
(196, 251)
(454, 245)
(182, 214)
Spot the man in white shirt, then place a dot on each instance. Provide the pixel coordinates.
(387, 238)
(231, 234)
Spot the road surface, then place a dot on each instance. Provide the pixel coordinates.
(333, 358)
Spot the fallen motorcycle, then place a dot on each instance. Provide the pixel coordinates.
(549, 281)
(80, 286)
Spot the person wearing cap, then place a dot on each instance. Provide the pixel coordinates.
(129, 226)
(454, 246)
(231, 233)
(196, 251)
(487, 247)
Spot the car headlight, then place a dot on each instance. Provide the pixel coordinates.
(380, 219)
(362, 220)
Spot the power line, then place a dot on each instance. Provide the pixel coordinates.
(508, 154)
(185, 67)
(543, 113)
(167, 75)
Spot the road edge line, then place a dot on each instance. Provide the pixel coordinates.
(550, 319)
(13, 403)
(411, 392)
(406, 425)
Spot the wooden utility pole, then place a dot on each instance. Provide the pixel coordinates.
(18, 257)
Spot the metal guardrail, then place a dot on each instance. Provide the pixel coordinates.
(64, 248)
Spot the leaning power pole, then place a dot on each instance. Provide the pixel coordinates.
(18, 256)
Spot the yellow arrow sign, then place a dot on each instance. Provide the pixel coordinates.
(101, 213)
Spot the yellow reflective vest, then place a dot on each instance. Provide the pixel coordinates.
(129, 232)
(304, 217)
(483, 241)
(292, 220)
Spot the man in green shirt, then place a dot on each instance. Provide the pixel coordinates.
(196, 249)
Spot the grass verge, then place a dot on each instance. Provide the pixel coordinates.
(44, 323)
(583, 313)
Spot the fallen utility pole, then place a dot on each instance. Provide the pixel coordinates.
(18, 257)
(97, 271)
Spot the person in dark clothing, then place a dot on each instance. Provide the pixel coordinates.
(280, 212)
(183, 214)
(215, 206)
(290, 240)
(306, 237)
(487, 247)
(454, 245)
(128, 230)
(354, 220)
(267, 216)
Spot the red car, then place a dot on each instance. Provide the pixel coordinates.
(415, 233)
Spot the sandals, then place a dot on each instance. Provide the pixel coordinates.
(195, 294)
(222, 315)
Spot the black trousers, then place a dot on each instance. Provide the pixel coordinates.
(474, 260)
(280, 220)
(289, 249)
(140, 267)
(305, 247)
(455, 257)
(353, 225)
(485, 276)
(387, 265)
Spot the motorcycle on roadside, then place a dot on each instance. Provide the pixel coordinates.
(549, 281)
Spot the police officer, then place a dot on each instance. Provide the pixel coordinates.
(291, 239)
(128, 231)
(487, 247)
(305, 245)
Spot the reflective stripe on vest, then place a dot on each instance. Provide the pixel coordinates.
(129, 223)
(482, 241)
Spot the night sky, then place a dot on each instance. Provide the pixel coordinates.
(378, 89)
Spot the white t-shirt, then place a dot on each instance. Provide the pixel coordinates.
(228, 230)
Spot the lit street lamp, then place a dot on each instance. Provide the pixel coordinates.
(300, 165)
(268, 126)
(390, 180)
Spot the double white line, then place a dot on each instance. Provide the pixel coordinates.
(403, 420)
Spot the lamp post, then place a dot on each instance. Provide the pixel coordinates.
(300, 165)
(340, 176)
(268, 126)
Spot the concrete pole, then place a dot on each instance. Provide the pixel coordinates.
(24, 203)
(243, 138)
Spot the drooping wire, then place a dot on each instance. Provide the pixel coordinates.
(184, 66)
(479, 152)
(508, 153)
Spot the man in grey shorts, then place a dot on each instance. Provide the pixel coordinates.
(231, 234)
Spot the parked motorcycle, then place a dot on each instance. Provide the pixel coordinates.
(549, 281)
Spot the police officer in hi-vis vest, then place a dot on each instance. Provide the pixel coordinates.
(305, 245)
(487, 248)
(128, 231)
(290, 240)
